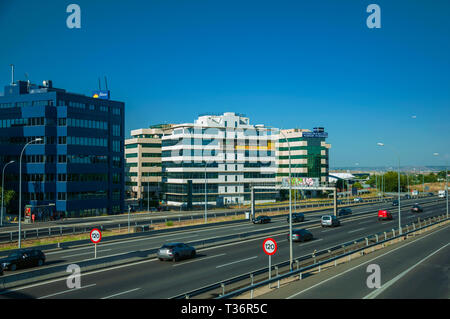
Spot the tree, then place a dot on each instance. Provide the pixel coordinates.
(9, 195)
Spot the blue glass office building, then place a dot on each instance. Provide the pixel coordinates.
(77, 168)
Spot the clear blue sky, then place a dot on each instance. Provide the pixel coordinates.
(282, 63)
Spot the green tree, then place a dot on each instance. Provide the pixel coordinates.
(9, 195)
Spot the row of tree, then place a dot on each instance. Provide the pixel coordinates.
(391, 180)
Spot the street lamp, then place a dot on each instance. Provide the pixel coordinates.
(20, 187)
(399, 205)
(206, 198)
(446, 180)
(290, 204)
(3, 189)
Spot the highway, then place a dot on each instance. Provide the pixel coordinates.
(154, 279)
(417, 269)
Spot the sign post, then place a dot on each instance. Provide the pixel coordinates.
(96, 237)
(270, 247)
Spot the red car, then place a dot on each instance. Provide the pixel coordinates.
(384, 214)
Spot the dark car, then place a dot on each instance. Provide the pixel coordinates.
(175, 251)
(296, 217)
(301, 235)
(344, 212)
(407, 197)
(23, 259)
(416, 208)
(430, 194)
(263, 219)
(395, 202)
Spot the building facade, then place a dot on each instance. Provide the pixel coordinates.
(144, 166)
(309, 154)
(77, 168)
(222, 154)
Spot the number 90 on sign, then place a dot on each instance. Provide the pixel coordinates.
(269, 246)
(96, 236)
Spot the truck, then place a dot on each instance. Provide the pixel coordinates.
(442, 193)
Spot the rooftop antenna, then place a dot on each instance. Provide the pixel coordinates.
(12, 74)
(106, 83)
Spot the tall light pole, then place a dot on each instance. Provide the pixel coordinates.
(20, 188)
(290, 204)
(446, 180)
(3, 188)
(206, 198)
(399, 205)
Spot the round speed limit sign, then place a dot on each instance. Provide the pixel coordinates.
(96, 236)
(270, 246)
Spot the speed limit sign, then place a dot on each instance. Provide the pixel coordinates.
(96, 236)
(270, 246)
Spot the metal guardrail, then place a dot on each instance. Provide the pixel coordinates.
(313, 257)
(37, 233)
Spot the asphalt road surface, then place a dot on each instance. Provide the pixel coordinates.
(155, 279)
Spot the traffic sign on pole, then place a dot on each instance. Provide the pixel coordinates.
(270, 248)
(96, 237)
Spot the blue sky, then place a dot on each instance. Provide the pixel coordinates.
(282, 63)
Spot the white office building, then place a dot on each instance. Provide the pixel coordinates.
(224, 152)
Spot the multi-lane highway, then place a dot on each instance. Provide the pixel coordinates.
(417, 269)
(154, 279)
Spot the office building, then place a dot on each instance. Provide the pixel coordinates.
(144, 166)
(223, 154)
(77, 168)
(309, 155)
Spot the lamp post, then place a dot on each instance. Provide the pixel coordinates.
(290, 204)
(206, 198)
(3, 188)
(399, 205)
(20, 187)
(446, 181)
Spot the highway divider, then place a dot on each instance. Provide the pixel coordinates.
(54, 272)
(316, 261)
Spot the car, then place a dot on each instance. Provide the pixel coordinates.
(395, 202)
(175, 252)
(358, 200)
(23, 259)
(301, 235)
(297, 217)
(262, 219)
(344, 212)
(430, 194)
(416, 208)
(384, 214)
(407, 196)
(329, 220)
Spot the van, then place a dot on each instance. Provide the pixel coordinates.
(384, 215)
(329, 221)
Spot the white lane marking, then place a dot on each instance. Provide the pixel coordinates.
(200, 259)
(237, 261)
(376, 292)
(88, 252)
(182, 237)
(311, 242)
(121, 293)
(326, 230)
(355, 230)
(366, 222)
(369, 261)
(65, 291)
(281, 241)
(139, 262)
